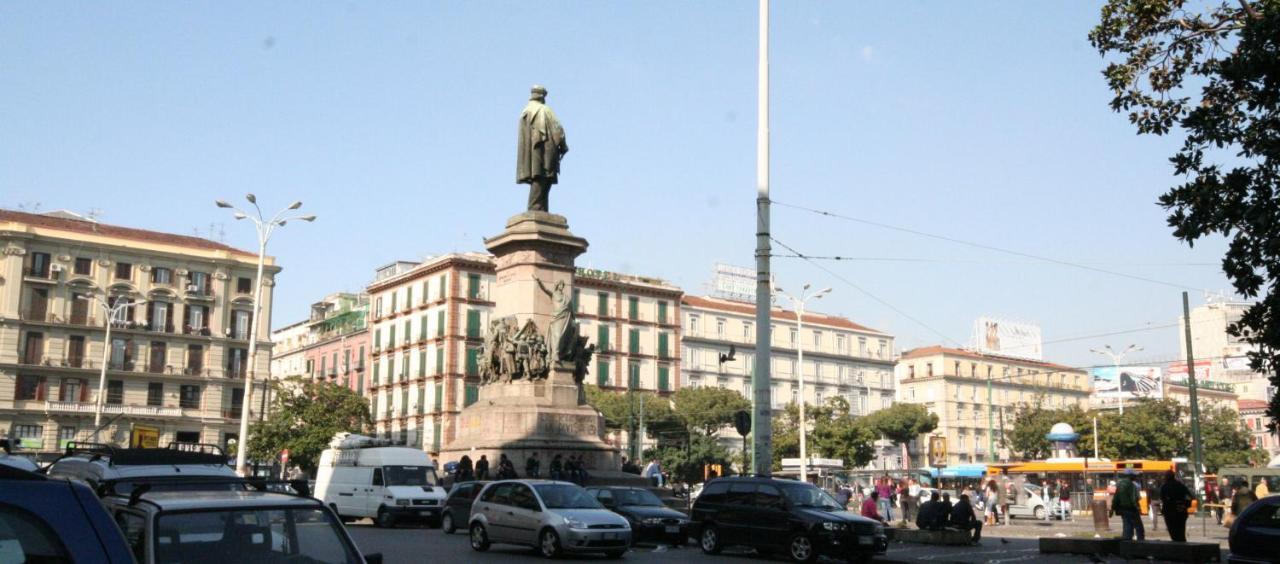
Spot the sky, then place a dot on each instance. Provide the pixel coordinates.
(395, 124)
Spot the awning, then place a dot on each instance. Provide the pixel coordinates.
(961, 471)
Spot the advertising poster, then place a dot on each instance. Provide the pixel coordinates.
(1007, 338)
(1128, 382)
(142, 436)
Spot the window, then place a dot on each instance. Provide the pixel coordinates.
(602, 304)
(244, 285)
(27, 538)
(394, 294)
(84, 266)
(408, 298)
(473, 324)
(240, 320)
(439, 360)
(602, 373)
(237, 362)
(160, 316)
(693, 325)
(197, 319)
(189, 396)
(473, 286)
(33, 352)
(391, 337)
(75, 351)
(30, 387)
(73, 389)
(795, 337)
(408, 334)
(124, 271)
(602, 337)
(634, 343)
(161, 275)
(40, 263)
(576, 300)
(633, 369)
(199, 283)
(195, 359)
(186, 437)
(720, 323)
(473, 362)
(840, 344)
(746, 331)
(633, 308)
(440, 323)
(155, 394)
(664, 379)
(817, 340)
(115, 392)
(441, 289)
(662, 346)
(472, 395)
(662, 312)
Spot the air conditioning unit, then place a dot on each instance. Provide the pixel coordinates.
(192, 288)
(57, 267)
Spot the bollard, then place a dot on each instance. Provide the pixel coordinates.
(1101, 520)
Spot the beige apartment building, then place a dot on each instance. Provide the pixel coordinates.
(975, 396)
(427, 322)
(178, 353)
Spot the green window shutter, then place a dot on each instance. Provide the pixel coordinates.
(439, 360)
(435, 441)
(393, 302)
(440, 323)
(391, 369)
(662, 345)
(633, 379)
(633, 308)
(662, 312)
(439, 396)
(664, 378)
(635, 342)
(602, 337)
(422, 331)
(576, 300)
(422, 399)
(408, 297)
(602, 305)
(444, 286)
(473, 395)
(473, 286)
(360, 383)
(422, 362)
(426, 296)
(377, 339)
(473, 362)
(375, 373)
(602, 373)
(408, 331)
(473, 324)
(391, 337)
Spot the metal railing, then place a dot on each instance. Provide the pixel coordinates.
(88, 407)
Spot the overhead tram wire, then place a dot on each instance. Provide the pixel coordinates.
(980, 246)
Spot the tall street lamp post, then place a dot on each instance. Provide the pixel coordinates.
(110, 312)
(798, 305)
(1116, 357)
(265, 228)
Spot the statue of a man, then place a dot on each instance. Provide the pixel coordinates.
(539, 149)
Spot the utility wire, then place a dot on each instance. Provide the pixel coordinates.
(979, 246)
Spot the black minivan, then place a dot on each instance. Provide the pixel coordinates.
(783, 516)
(457, 507)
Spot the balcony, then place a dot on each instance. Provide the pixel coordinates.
(88, 408)
(198, 331)
(233, 413)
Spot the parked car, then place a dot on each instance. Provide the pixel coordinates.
(783, 516)
(1030, 504)
(457, 506)
(554, 517)
(180, 466)
(1255, 535)
(651, 520)
(219, 526)
(44, 520)
(362, 476)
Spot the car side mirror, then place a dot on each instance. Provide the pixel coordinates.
(375, 558)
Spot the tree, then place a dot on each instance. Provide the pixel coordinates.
(1149, 429)
(1033, 421)
(902, 422)
(1209, 73)
(621, 411)
(305, 415)
(685, 463)
(708, 409)
(833, 432)
(1225, 443)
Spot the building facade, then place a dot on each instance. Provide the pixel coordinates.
(1254, 415)
(976, 395)
(427, 322)
(178, 353)
(1225, 354)
(841, 358)
(331, 345)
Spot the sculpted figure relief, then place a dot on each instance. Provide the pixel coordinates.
(539, 148)
(563, 329)
(511, 352)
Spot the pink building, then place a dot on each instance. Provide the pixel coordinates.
(332, 345)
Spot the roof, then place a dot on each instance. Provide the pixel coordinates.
(1252, 404)
(78, 226)
(777, 313)
(935, 350)
(185, 500)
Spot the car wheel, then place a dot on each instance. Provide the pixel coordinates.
(549, 543)
(479, 538)
(800, 548)
(710, 539)
(446, 523)
(1039, 512)
(615, 554)
(384, 519)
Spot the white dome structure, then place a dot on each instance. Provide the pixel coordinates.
(1063, 438)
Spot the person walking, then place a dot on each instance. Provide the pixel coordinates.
(1064, 500)
(1125, 504)
(1154, 504)
(913, 499)
(884, 495)
(465, 469)
(991, 501)
(482, 468)
(1175, 499)
(1212, 500)
(962, 518)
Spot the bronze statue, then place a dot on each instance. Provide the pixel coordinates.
(540, 147)
(562, 329)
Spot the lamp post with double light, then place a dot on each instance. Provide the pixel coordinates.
(111, 312)
(798, 305)
(265, 228)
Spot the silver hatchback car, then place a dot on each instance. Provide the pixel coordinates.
(554, 517)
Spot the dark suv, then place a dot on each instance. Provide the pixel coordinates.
(783, 516)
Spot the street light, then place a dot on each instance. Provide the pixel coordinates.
(1115, 361)
(798, 305)
(265, 228)
(110, 312)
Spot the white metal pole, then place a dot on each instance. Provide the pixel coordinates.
(102, 374)
(761, 420)
(804, 423)
(1116, 363)
(242, 443)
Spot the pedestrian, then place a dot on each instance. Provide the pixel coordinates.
(531, 466)
(962, 518)
(900, 499)
(1175, 499)
(464, 469)
(842, 496)
(870, 506)
(482, 468)
(1154, 504)
(884, 493)
(990, 500)
(1064, 500)
(1009, 498)
(556, 468)
(1125, 504)
(653, 471)
(913, 498)
(1261, 490)
(1212, 500)
(1243, 497)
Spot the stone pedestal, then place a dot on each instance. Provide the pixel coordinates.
(549, 416)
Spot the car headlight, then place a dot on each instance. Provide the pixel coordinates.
(402, 502)
(830, 526)
(575, 523)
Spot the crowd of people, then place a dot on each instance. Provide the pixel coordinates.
(570, 468)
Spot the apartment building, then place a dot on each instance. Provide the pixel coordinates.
(178, 352)
(1254, 415)
(1225, 355)
(331, 345)
(975, 396)
(427, 323)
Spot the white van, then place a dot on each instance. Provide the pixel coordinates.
(362, 476)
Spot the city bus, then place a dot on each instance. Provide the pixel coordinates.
(1089, 477)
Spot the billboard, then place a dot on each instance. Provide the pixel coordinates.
(734, 283)
(1128, 382)
(142, 436)
(1007, 338)
(1178, 371)
(937, 451)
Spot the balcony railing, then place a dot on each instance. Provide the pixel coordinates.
(88, 407)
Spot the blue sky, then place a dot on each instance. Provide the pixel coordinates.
(395, 123)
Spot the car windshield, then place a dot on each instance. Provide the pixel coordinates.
(804, 495)
(305, 535)
(410, 476)
(564, 496)
(125, 487)
(636, 497)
